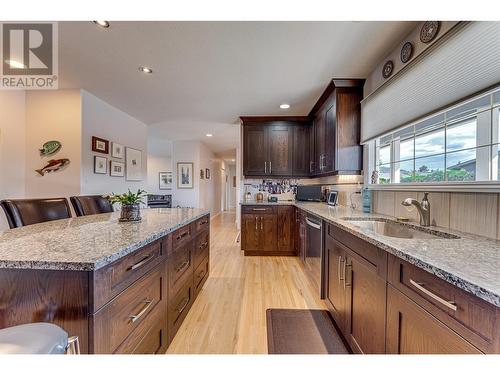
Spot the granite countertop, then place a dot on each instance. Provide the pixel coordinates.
(89, 242)
(471, 262)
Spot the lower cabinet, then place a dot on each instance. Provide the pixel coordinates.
(383, 304)
(413, 330)
(268, 230)
(356, 297)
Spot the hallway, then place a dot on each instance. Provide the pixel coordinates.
(229, 315)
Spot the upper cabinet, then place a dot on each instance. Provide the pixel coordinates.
(326, 142)
(337, 124)
(272, 146)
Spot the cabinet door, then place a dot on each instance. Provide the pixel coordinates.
(319, 142)
(255, 150)
(250, 225)
(335, 293)
(301, 155)
(286, 228)
(365, 305)
(330, 139)
(268, 234)
(280, 146)
(412, 330)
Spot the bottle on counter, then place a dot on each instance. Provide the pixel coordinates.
(367, 200)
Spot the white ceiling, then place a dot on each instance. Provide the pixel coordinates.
(206, 74)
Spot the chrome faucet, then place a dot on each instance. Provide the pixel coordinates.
(424, 209)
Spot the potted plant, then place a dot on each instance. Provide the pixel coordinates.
(130, 204)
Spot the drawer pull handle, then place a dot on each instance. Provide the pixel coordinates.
(148, 303)
(141, 263)
(204, 222)
(183, 265)
(203, 245)
(182, 235)
(346, 265)
(181, 309)
(258, 209)
(420, 286)
(339, 270)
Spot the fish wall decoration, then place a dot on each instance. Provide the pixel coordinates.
(52, 166)
(50, 147)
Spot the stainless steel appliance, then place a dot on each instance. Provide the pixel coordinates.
(309, 193)
(332, 198)
(314, 252)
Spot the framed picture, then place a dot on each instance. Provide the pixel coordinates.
(117, 150)
(133, 164)
(100, 145)
(202, 174)
(100, 165)
(185, 175)
(166, 180)
(116, 168)
(207, 173)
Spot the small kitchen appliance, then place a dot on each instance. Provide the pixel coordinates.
(332, 198)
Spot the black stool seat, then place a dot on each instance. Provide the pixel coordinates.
(21, 212)
(91, 205)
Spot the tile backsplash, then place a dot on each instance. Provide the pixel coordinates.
(476, 213)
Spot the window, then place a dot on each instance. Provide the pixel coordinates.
(459, 144)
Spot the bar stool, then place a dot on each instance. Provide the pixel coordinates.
(37, 338)
(90, 205)
(21, 212)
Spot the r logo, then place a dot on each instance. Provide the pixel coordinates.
(27, 49)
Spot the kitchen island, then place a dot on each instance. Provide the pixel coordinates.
(119, 287)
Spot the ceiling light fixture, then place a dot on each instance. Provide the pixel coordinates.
(209, 135)
(15, 64)
(103, 24)
(146, 69)
(284, 106)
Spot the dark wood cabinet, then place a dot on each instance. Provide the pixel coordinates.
(335, 290)
(268, 230)
(337, 127)
(301, 154)
(272, 146)
(365, 305)
(286, 228)
(413, 330)
(135, 304)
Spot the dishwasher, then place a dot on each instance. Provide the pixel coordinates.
(313, 257)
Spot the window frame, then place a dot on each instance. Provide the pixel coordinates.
(487, 164)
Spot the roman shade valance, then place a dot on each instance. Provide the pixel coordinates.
(465, 61)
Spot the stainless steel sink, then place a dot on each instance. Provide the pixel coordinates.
(392, 228)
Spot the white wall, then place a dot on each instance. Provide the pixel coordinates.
(105, 121)
(12, 147)
(53, 115)
(157, 164)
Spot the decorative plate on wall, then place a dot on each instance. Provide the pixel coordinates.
(429, 31)
(406, 52)
(388, 68)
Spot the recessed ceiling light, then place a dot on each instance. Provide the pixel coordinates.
(103, 24)
(15, 64)
(284, 106)
(209, 135)
(146, 69)
(233, 160)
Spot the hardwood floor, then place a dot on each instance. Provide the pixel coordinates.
(229, 315)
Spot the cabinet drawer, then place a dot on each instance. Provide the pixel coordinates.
(258, 209)
(150, 337)
(180, 267)
(469, 316)
(110, 280)
(202, 247)
(117, 320)
(202, 224)
(412, 330)
(182, 236)
(200, 276)
(178, 307)
(369, 252)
